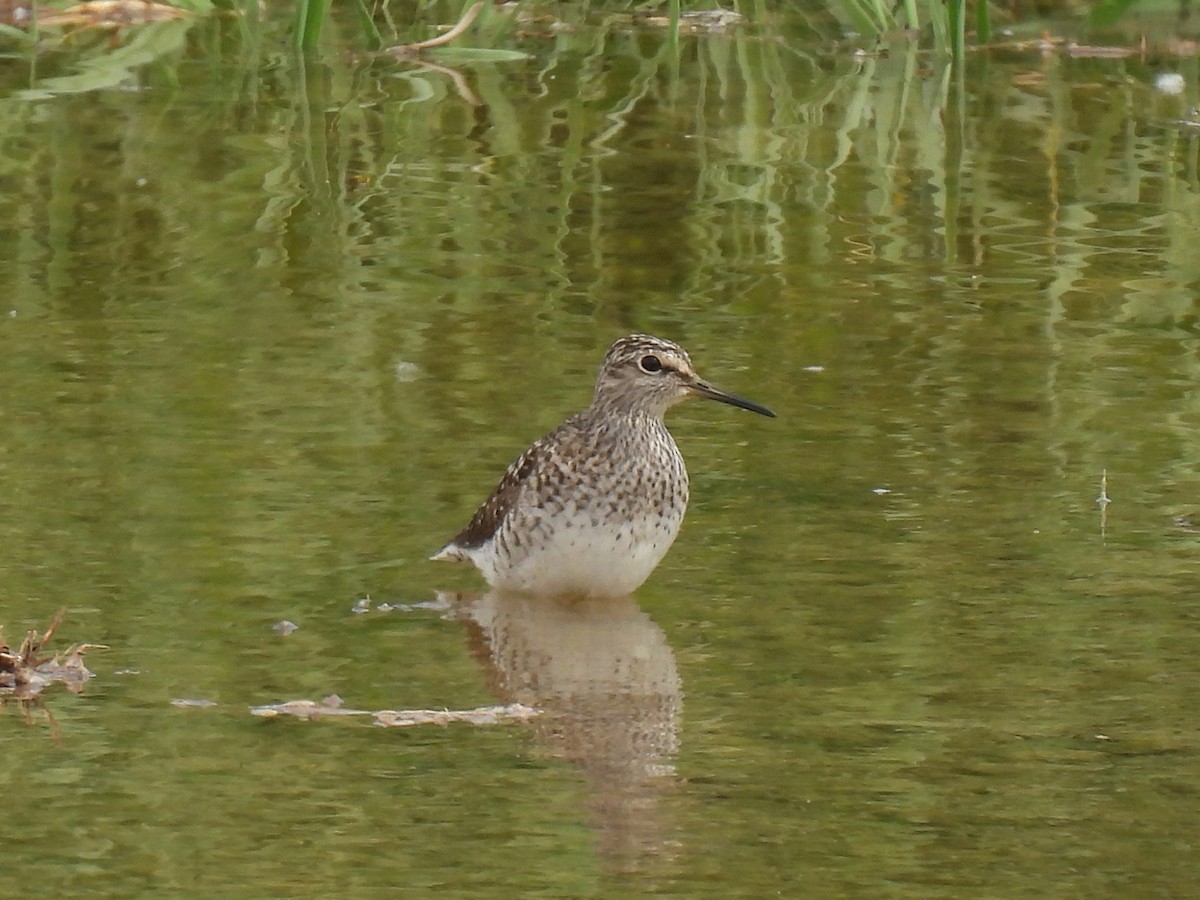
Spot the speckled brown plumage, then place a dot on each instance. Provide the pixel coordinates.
(593, 506)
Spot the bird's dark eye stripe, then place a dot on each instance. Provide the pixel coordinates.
(650, 363)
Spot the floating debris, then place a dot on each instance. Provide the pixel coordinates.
(307, 709)
(110, 14)
(397, 718)
(1187, 522)
(698, 21)
(284, 628)
(364, 606)
(406, 371)
(1169, 83)
(484, 715)
(24, 672)
(192, 702)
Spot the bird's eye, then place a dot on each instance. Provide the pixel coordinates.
(650, 364)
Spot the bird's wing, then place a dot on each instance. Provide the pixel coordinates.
(538, 458)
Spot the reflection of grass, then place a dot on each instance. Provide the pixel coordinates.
(943, 20)
(310, 19)
(104, 41)
(489, 30)
(108, 68)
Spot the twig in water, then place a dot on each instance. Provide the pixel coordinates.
(462, 25)
(1102, 501)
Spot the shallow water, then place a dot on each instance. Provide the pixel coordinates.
(272, 331)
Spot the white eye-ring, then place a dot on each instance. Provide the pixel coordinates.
(650, 364)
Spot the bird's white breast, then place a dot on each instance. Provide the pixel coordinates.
(576, 554)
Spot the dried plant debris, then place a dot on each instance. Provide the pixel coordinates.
(397, 718)
(1187, 522)
(363, 605)
(698, 21)
(109, 14)
(407, 50)
(24, 672)
(483, 715)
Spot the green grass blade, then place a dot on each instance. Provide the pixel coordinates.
(940, 23)
(310, 19)
(957, 14)
(366, 22)
(983, 23)
(868, 17)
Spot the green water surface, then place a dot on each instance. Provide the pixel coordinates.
(271, 328)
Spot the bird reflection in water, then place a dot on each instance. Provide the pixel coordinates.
(602, 675)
